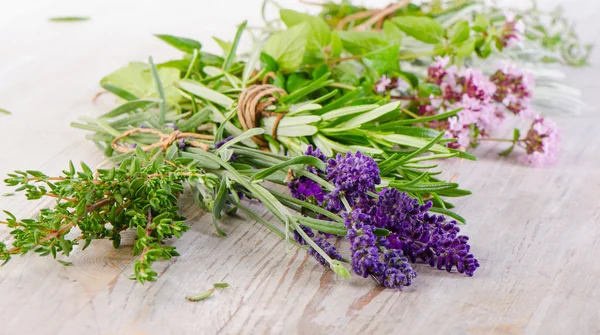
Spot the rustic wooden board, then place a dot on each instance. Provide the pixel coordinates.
(536, 232)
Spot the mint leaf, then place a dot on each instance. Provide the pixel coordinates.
(360, 43)
(136, 79)
(319, 30)
(184, 44)
(422, 28)
(287, 47)
(384, 59)
(393, 33)
(336, 45)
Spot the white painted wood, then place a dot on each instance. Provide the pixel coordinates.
(536, 232)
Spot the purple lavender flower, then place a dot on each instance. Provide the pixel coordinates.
(304, 188)
(371, 255)
(311, 151)
(421, 235)
(223, 141)
(181, 143)
(398, 272)
(299, 238)
(353, 176)
(329, 249)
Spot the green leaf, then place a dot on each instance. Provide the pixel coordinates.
(481, 23)
(516, 134)
(65, 263)
(201, 296)
(162, 104)
(196, 89)
(393, 33)
(116, 90)
(130, 106)
(414, 142)
(69, 19)
(372, 115)
(319, 30)
(446, 212)
(484, 47)
(507, 152)
(344, 111)
(465, 48)
(381, 232)
(339, 269)
(4, 111)
(422, 28)
(301, 160)
(329, 227)
(244, 136)
(384, 59)
(362, 42)
(232, 51)
(184, 44)
(136, 79)
(459, 32)
(287, 47)
(220, 285)
(336, 44)
(220, 199)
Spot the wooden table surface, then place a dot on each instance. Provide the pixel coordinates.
(536, 232)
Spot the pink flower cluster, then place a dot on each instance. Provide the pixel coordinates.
(484, 101)
(512, 31)
(514, 89)
(541, 143)
(470, 90)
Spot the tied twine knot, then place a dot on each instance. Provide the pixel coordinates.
(165, 140)
(251, 108)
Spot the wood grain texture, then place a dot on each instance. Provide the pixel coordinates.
(536, 232)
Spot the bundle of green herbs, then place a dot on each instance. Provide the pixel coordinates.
(349, 110)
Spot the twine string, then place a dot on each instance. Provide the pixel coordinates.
(165, 140)
(252, 105)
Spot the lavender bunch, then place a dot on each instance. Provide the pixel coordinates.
(388, 230)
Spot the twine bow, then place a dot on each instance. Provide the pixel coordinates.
(251, 109)
(164, 142)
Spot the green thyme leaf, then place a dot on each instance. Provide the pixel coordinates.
(4, 111)
(221, 285)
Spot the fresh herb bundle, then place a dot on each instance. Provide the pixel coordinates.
(336, 107)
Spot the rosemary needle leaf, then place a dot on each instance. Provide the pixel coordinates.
(201, 296)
